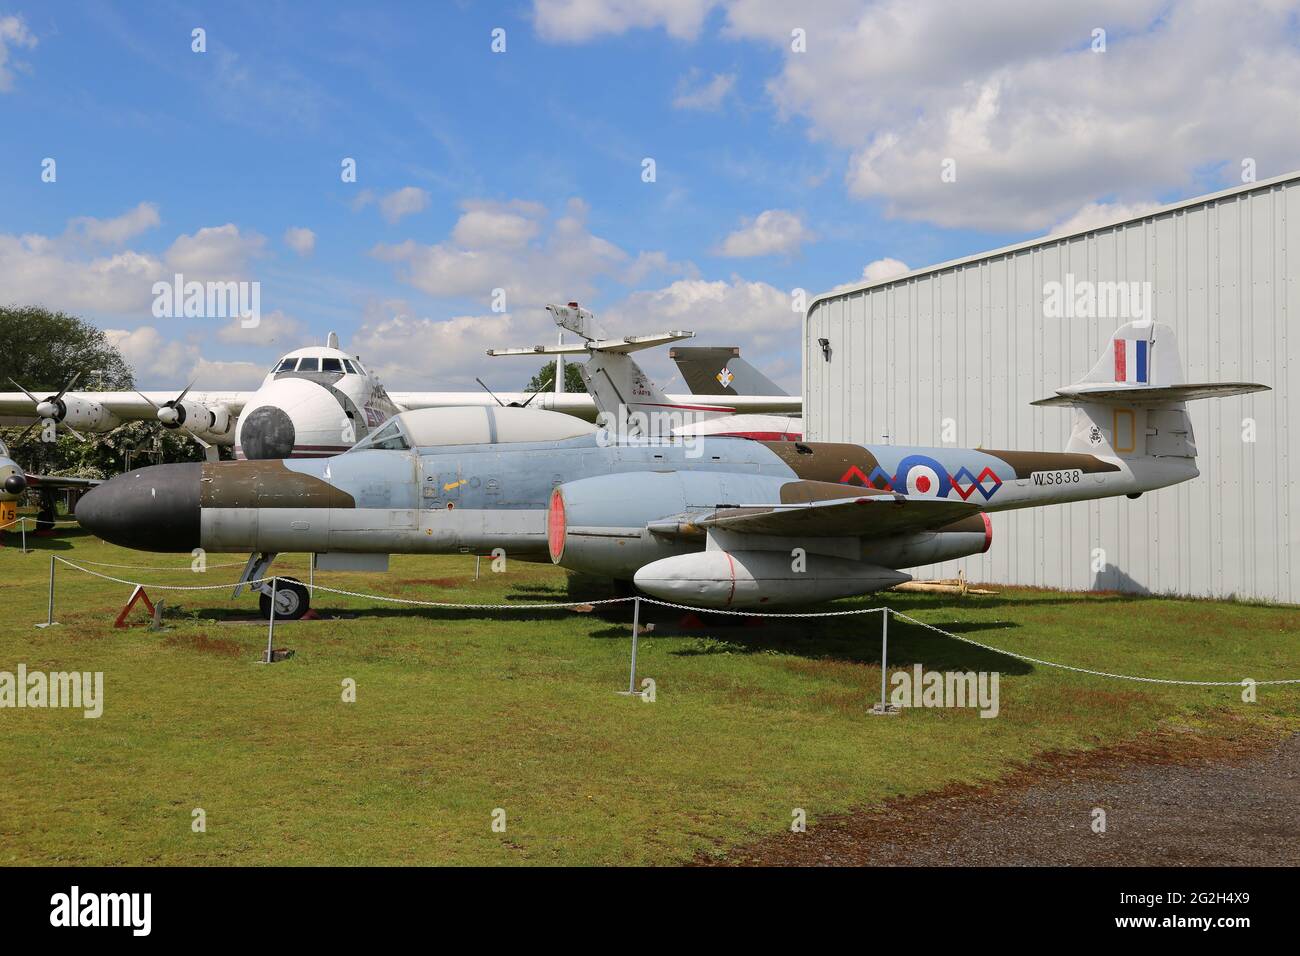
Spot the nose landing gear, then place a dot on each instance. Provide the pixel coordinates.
(292, 599)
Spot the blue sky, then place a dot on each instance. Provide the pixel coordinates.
(775, 169)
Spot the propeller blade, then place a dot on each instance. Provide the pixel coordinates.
(181, 397)
(147, 399)
(490, 392)
(203, 444)
(71, 382)
(80, 436)
(539, 391)
(27, 430)
(25, 392)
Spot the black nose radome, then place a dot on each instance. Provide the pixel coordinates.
(15, 485)
(149, 509)
(267, 432)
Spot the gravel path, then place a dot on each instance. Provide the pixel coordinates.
(1171, 799)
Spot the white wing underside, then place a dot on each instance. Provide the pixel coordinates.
(127, 406)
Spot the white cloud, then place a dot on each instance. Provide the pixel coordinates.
(574, 21)
(558, 265)
(64, 272)
(301, 240)
(878, 270)
(498, 225)
(656, 262)
(1096, 214)
(220, 375)
(1037, 123)
(43, 271)
(771, 232)
(425, 353)
(13, 33)
(881, 269)
(153, 358)
(161, 363)
(403, 202)
(118, 229)
(693, 93)
(274, 328)
(756, 316)
(216, 252)
(395, 205)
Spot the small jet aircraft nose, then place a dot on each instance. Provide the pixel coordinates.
(149, 509)
(15, 484)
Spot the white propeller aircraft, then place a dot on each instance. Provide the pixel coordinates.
(314, 402)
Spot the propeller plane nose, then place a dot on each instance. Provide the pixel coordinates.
(150, 509)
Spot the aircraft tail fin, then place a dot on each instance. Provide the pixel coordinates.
(719, 370)
(620, 388)
(1132, 404)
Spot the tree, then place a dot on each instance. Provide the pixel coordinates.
(43, 349)
(544, 380)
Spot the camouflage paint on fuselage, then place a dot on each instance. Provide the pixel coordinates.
(478, 497)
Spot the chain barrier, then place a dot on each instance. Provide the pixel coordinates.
(697, 610)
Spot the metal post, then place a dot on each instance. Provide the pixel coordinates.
(49, 619)
(22, 526)
(884, 652)
(636, 631)
(311, 574)
(270, 625)
(884, 707)
(478, 558)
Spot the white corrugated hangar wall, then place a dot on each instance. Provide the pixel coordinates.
(969, 341)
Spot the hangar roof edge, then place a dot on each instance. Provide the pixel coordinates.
(1046, 240)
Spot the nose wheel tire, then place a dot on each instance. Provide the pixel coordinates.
(292, 600)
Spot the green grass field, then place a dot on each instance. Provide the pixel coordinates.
(462, 712)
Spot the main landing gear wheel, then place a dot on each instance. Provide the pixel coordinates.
(292, 600)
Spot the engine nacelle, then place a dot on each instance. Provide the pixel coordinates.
(219, 427)
(973, 535)
(740, 579)
(599, 525)
(83, 414)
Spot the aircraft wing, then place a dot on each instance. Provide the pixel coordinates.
(870, 515)
(126, 406)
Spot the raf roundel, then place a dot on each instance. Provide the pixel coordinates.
(922, 477)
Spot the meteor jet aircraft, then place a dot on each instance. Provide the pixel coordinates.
(722, 522)
(14, 481)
